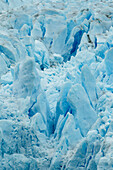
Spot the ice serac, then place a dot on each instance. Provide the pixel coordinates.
(62, 105)
(27, 83)
(85, 152)
(68, 137)
(84, 114)
(109, 61)
(77, 34)
(37, 31)
(72, 43)
(26, 78)
(3, 65)
(41, 105)
(89, 84)
(66, 128)
(55, 28)
(41, 55)
(57, 44)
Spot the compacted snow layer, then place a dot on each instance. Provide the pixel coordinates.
(56, 84)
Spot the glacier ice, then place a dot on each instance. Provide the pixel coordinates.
(56, 84)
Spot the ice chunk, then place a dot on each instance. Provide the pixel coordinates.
(100, 51)
(103, 158)
(84, 42)
(69, 132)
(58, 58)
(17, 137)
(6, 127)
(13, 48)
(79, 158)
(96, 27)
(77, 33)
(41, 105)
(6, 78)
(7, 48)
(19, 161)
(84, 57)
(25, 30)
(22, 19)
(38, 124)
(59, 43)
(56, 161)
(84, 114)
(37, 32)
(85, 151)
(27, 83)
(29, 44)
(85, 14)
(92, 136)
(55, 26)
(68, 138)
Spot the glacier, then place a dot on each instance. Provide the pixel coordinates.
(56, 85)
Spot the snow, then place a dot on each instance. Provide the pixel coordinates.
(56, 84)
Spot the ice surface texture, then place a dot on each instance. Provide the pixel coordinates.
(56, 84)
